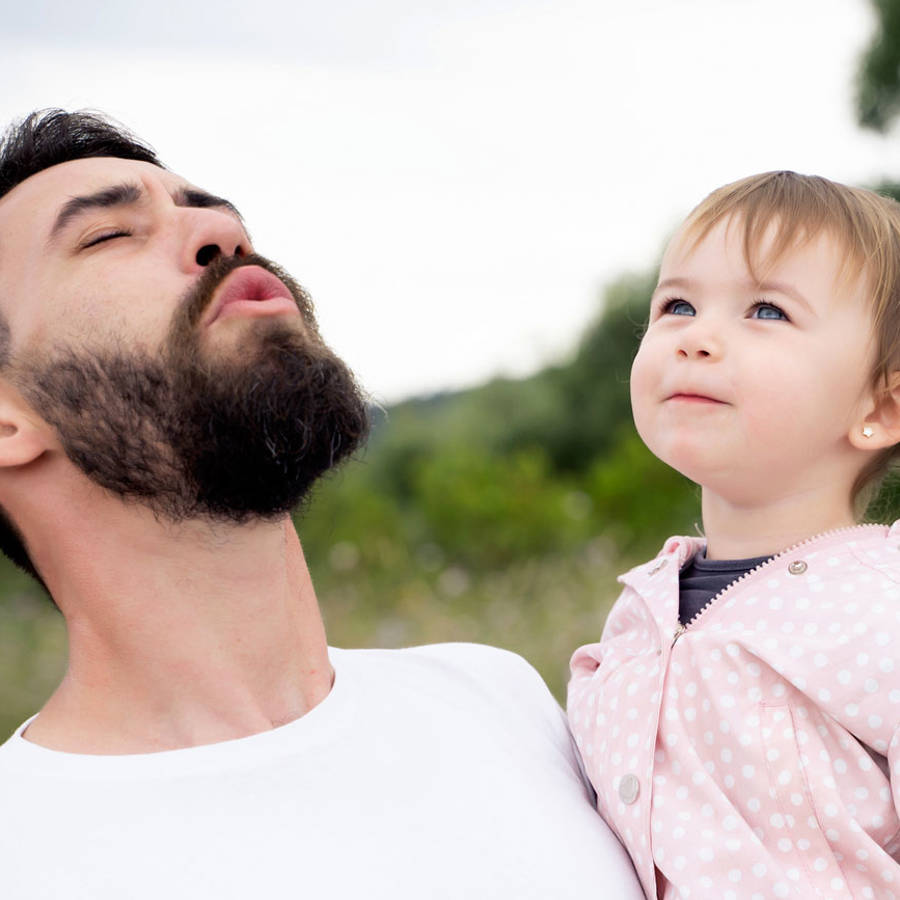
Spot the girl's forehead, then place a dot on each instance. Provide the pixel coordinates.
(720, 244)
(758, 249)
(728, 233)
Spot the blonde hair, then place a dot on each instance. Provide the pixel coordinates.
(865, 225)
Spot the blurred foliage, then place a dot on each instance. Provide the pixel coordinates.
(878, 78)
(887, 188)
(512, 469)
(32, 647)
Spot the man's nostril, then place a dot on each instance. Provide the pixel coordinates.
(207, 253)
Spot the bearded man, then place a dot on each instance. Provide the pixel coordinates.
(165, 401)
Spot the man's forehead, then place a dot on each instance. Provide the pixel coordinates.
(41, 195)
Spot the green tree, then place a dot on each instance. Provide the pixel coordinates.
(878, 78)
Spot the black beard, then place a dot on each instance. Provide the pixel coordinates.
(189, 435)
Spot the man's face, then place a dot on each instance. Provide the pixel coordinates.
(107, 272)
(178, 368)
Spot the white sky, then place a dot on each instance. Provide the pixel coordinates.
(455, 181)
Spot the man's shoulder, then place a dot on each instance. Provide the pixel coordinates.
(9, 744)
(453, 663)
(483, 679)
(452, 654)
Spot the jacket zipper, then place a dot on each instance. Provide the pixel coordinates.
(682, 628)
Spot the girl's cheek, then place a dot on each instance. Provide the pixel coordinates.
(643, 372)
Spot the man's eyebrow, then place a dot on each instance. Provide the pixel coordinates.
(203, 200)
(127, 194)
(115, 195)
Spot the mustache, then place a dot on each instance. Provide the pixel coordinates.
(198, 297)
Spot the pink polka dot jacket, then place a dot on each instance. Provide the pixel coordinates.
(750, 753)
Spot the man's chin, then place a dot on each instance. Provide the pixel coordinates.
(248, 338)
(232, 424)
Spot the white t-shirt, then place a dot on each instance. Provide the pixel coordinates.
(434, 772)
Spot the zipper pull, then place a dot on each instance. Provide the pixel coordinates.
(679, 631)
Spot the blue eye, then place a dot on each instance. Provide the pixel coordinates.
(678, 307)
(762, 310)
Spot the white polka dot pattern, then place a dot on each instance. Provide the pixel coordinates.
(756, 749)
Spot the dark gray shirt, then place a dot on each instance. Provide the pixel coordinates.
(701, 579)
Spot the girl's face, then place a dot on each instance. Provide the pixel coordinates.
(753, 390)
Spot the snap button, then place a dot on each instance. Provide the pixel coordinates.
(629, 788)
(797, 567)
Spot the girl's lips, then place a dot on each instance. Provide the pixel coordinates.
(695, 398)
(251, 290)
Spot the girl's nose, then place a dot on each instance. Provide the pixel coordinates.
(699, 342)
(698, 352)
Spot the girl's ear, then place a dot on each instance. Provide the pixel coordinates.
(24, 436)
(881, 427)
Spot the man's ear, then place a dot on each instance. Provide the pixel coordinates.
(880, 428)
(24, 436)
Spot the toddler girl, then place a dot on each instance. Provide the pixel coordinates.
(739, 717)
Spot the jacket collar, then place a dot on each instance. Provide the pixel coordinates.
(658, 578)
(674, 554)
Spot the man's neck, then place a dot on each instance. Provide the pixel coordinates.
(180, 636)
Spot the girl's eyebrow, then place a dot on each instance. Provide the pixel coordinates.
(782, 287)
(684, 283)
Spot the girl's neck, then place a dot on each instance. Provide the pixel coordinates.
(744, 531)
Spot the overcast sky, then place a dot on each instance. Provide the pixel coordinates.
(454, 182)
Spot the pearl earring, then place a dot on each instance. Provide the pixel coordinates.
(868, 431)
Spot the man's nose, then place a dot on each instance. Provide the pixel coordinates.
(212, 233)
(208, 252)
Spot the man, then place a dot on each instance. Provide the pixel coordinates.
(165, 400)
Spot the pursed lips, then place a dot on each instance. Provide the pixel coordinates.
(251, 284)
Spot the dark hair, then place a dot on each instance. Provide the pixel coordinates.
(48, 137)
(43, 139)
